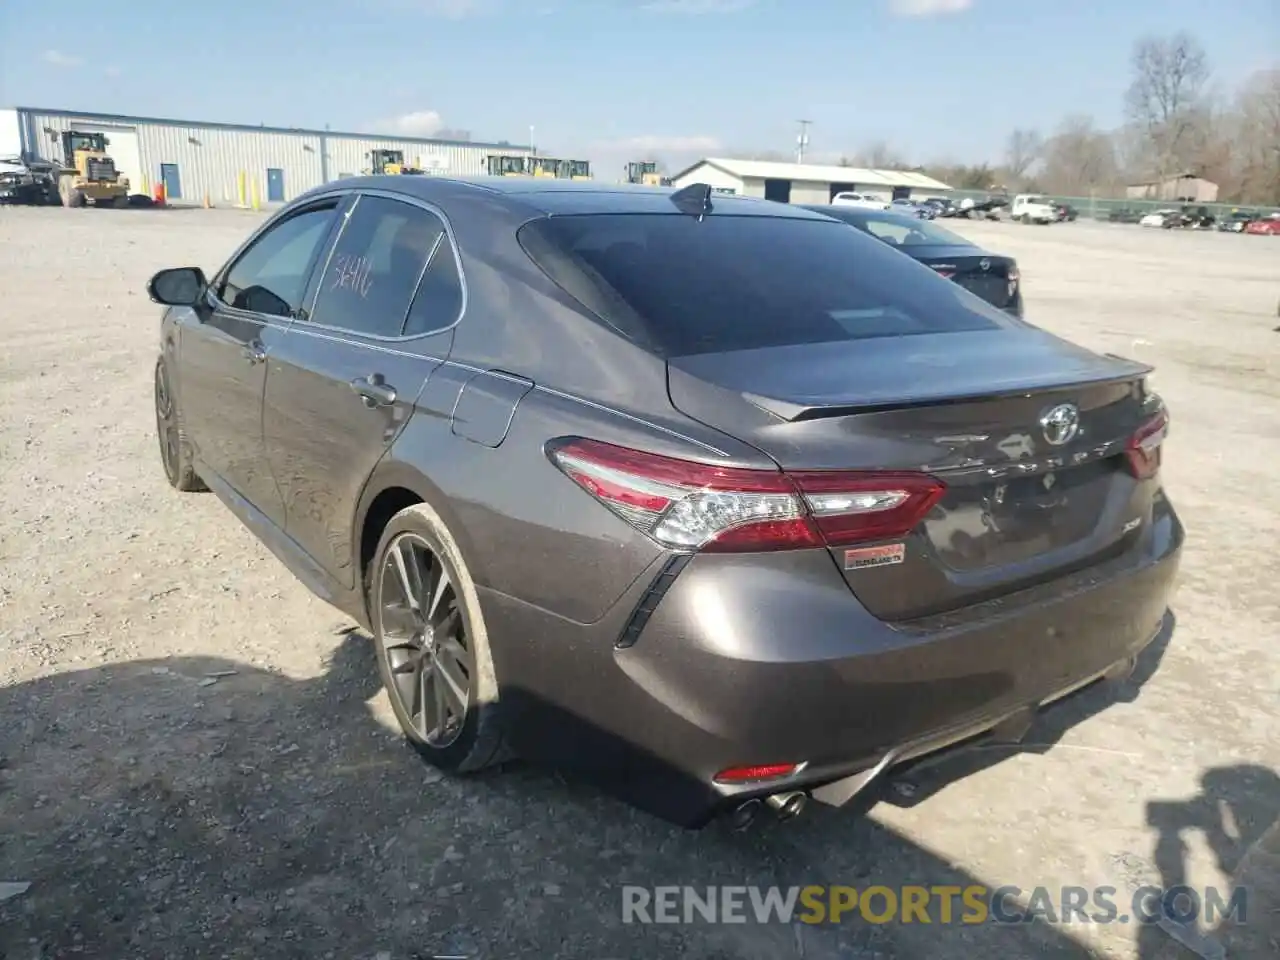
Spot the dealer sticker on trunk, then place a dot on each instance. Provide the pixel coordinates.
(880, 556)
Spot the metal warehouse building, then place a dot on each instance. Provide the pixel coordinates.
(237, 163)
(804, 182)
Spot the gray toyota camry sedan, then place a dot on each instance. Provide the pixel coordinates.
(712, 499)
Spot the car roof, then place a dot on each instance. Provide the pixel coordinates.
(557, 197)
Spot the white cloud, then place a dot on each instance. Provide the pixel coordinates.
(928, 8)
(112, 71)
(60, 59)
(696, 7)
(420, 123)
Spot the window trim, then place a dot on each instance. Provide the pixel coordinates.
(401, 337)
(288, 213)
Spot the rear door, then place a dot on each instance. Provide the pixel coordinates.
(226, 345)
(344, 381)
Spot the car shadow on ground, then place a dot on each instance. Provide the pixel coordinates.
(196, 807)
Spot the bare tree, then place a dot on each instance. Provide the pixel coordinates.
(1022, 151)
(1079, 159)
(880, 156)
(1165, 98)
(1255, 138)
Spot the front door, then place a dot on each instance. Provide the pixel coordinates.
(227, 345)
(344, 381)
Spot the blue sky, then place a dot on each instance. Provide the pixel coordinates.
(610, 79)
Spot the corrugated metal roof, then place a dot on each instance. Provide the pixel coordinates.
(821, 173)
(261, 128)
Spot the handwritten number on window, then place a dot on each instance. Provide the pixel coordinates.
(351, 273)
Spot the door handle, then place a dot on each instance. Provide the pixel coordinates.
(374, 391)
(254, 352)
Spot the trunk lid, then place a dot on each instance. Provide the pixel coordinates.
(967, 408)
(980, 273)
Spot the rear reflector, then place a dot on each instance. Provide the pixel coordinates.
(1143, 450)
(685, 505)
(769, 771)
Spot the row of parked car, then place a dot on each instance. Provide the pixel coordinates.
(1199, 218)
(1025, 208)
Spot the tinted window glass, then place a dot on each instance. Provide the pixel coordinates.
(375, 267)
(897, 229)
(439, 298)
(739, 283)
(271, 275)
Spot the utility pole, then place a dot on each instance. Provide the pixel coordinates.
(802, 141)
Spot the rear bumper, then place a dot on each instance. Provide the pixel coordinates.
(768, 659)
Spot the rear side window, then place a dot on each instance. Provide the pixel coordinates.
(375, 267)
(685, 287)
(438, 301)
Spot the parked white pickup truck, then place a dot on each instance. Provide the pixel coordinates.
(1031, 208)
(865, 200)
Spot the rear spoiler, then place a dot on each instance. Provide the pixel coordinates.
(796, 412)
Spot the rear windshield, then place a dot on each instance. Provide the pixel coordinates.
(895, 228)
(683, 287)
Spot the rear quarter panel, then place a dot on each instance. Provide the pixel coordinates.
(526, 530)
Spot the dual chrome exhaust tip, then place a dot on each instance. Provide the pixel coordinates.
(785, 806)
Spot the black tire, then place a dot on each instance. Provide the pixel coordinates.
(477, 741)
(175, 451)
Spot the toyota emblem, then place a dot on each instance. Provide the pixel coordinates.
(984, 263)
(1061, 424)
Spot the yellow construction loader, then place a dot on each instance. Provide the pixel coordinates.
(519, 165)
(646, 172)
(89, 173)
(389, 161)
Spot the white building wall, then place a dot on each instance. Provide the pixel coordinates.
(229, 163)
(810, 191)
(714, 177)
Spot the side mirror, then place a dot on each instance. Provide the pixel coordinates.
(106, 141)
(178, 286)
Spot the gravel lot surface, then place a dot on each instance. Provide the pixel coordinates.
(196, 760)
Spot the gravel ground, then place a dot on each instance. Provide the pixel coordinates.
(197, 760)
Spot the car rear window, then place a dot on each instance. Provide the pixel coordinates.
(681, 286)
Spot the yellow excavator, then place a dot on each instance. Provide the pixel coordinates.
(389, 161)
(89, 173)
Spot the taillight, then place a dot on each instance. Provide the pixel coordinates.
(694, 506)
(1143, 449)
(1013, 277)
(764, 771)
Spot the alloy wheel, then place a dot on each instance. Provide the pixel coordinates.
(166, 429)
(424, 640)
